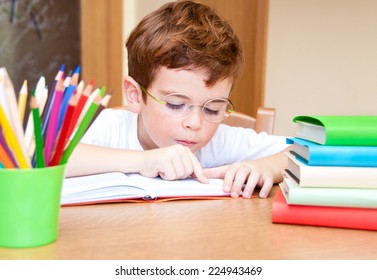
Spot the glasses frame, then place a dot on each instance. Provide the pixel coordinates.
(162, 102)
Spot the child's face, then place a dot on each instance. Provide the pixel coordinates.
(157, 128)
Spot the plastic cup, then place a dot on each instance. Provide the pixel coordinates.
(29, 206)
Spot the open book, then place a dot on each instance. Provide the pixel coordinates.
(118, 187)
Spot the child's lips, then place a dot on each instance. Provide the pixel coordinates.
(186, 143)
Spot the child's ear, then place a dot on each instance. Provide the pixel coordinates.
(133, 94)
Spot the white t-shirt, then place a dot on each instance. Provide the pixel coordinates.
(118, 129)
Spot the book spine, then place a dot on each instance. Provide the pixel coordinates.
(358, 156)
(339, 197)
(333, 176)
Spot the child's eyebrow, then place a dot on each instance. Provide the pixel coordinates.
(172, 92)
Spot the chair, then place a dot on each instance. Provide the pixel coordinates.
(264, 120)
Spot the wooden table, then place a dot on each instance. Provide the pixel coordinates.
(197, 229)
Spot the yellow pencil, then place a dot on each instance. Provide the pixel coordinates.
(22, 97)
(11, 139)
(14, 120)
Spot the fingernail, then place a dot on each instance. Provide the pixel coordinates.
(234, 194)
(262, 195)
(226, 188)
(246, 194)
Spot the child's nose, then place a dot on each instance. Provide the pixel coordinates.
(194, 119)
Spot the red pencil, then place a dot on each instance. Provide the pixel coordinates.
(80, 105)
(63, 137)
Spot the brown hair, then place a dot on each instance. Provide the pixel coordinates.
(186, 35)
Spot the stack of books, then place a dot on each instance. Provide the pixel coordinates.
(331, 179)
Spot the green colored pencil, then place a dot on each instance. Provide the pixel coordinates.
(37, 132)
(81, 129)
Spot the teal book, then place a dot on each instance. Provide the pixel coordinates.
(323, 155)
(338, 130)
(339, 197)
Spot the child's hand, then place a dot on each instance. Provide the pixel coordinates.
(244, 176)
(172, 163)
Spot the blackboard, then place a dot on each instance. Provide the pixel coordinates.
(37, 37)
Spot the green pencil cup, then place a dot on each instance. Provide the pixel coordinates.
(29, 206)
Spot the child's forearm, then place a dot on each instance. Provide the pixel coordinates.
(89, 159)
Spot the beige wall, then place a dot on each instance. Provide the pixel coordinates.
(321, 59)
(134, 11)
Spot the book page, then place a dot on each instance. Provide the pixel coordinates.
(116, 185)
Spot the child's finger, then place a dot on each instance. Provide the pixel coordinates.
(266, 188)
(198, 169)
(216, 172)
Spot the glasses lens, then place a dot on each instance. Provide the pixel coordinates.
(217, 110)
(176, 105)
(214, 110)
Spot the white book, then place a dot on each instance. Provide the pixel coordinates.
(331, 176)
(117, 187)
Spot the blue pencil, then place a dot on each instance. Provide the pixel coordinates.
(67, 95)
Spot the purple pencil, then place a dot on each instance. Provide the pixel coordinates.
(53, 121)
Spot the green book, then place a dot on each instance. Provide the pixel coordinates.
(337, 197)
(338, 130)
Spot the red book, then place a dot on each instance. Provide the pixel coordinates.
(342, 217)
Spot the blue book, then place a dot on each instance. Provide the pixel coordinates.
(316, 154)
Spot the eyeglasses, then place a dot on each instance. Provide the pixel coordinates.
(175, 105)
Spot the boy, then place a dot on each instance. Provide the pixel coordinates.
(183, 60)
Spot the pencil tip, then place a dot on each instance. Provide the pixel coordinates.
(102, 91)
(77, 70)
(62, 68)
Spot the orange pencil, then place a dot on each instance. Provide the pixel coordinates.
(6, 148)
(5, 159)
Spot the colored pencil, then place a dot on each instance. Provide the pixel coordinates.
(81, 129)
(103, 104)
(12, 140)
(41, 98)
(8, 153)
(63, 137)
(29, 132)
(80, 88)
(69, 91)
(89, 101)
(5, 159)
(53, 122)
(3, 98)
(49, 102)
(34, 106)
(102, 91)
(15, 121)
(80, 105)
(22, 97)
(3, 142)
